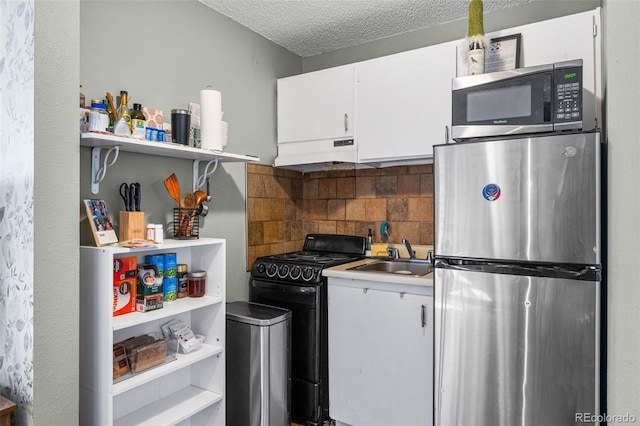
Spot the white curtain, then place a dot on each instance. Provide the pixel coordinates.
(16, 204)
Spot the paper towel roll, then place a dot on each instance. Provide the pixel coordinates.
(211, 119)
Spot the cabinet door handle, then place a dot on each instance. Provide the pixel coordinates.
(424, 316)
(346, 123)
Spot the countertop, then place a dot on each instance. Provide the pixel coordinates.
(342, 271)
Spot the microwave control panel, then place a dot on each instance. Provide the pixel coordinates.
(568, 87)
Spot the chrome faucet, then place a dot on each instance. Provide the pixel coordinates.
(394, 253)
(406, 243)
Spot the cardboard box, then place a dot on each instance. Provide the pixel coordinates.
(124, 285)
(154, 117)
(149, 290)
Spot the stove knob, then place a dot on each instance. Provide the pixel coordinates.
(283, 271)
(295, 272)
(261, 268)
(271, 270)
(307, 273)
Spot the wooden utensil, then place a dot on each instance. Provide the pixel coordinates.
(188, 201)
(173, 188)
(199, 197)
(113, 113)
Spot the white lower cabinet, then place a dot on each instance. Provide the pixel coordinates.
(188, 390)
(380, 353)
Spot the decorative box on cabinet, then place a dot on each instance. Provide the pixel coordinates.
(189, 389)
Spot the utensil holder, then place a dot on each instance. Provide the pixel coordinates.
(131, 226)
(186, 225)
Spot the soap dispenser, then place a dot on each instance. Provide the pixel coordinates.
(369, 244)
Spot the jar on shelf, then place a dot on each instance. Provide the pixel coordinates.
(197, 281)
(98, 117)
(183, 280)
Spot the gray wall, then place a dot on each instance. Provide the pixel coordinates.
(537, 10)
(163, 57)
(56, 275)
(622, 95)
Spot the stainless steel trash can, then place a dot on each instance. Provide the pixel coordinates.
(258, 356)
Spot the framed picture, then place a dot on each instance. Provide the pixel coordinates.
(503, 54)
(100, 222)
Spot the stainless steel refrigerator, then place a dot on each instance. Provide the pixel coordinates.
(518, 281)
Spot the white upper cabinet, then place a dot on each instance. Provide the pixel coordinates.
(316, 105)
(404, 103)
(315, 117)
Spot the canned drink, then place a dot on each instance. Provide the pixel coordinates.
(170, 265)
(170, 288)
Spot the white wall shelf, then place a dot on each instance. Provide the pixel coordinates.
(188, 389)
(117, 144)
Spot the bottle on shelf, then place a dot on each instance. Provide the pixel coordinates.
(369, 243)
(138, 122)
(123, 109)
(122, 126)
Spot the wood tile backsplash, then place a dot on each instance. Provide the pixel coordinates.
(283, 206)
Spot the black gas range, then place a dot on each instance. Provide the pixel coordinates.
(305, 266)
(294, 281)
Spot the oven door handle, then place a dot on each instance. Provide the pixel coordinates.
(286, 288)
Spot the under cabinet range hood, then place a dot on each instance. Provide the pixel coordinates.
(313, 156)
(317, 155)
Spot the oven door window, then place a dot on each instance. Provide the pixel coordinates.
(304, 304)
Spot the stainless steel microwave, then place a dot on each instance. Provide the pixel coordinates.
(545, 98)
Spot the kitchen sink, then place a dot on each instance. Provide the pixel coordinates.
(397, 266)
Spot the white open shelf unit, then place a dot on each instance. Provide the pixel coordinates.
(187, 390)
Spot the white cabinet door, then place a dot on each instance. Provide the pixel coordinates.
(316, 105)
(404, 103)
(380, 356)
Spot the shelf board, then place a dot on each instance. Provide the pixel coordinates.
(185, 304)
(181, 361)
(172, 409)
(169, 244)
(165, 149)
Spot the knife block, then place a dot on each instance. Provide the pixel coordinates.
(131, 226)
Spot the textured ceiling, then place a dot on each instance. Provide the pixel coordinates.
(310, 27)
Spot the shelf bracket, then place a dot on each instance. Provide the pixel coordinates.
(198, 180)
(98, 173)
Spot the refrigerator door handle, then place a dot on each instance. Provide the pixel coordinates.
(574, 272)
(424, 316)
